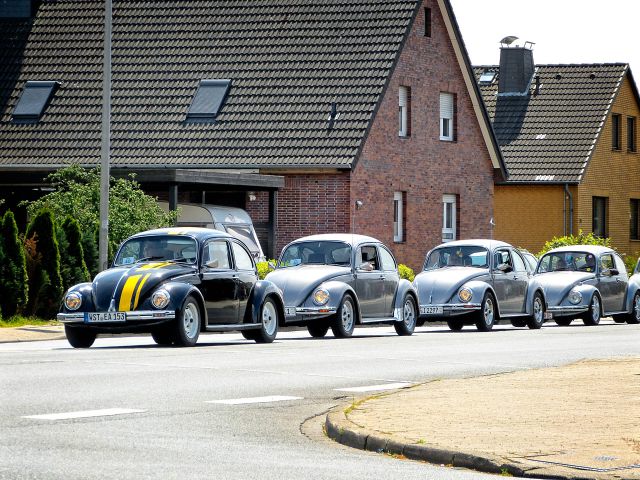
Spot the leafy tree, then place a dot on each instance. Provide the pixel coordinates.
(73, 268)
(580, 239)
(45, 283)
(13, 268)
(77, 192)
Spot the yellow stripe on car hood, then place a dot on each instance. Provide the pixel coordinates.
(149, 266)
(144, 279)
(127, 293)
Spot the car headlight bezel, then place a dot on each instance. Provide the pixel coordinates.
(160, 298)
(574, 297)
(73, 301)
(321, 296)
(465, 294)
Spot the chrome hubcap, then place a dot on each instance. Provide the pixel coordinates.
(347, 316)
(537, 310)
(409, 313)
(488, 312)
(636, 307)
(269, 318)
(595, 312)
(191, 320)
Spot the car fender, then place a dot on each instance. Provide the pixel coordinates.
(178, 291)
(478, 288)
(337, 290)
(632, 288)
(587, 292)
(261, 290)
(404, 288)
(86, 291)
(533, 288)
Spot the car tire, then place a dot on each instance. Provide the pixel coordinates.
(455, 325)
(592, 316)
(163, 336)
(519, 322)
(563, 321)
(486, 317)
(268, 322)
(420, 322)
(634, 316)
(318, 328)
(536, 320)
(79, 337)
(248, 334)
(409, 315)
(187, 326)
(344, 321)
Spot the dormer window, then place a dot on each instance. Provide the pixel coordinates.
(208, 101)
(34, 100)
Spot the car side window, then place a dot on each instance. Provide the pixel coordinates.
(518, 262)
(500, 257)
(368, 254)
(388, 263)
(606, 262)
(620, 266)
(216, 255)
(243, 259)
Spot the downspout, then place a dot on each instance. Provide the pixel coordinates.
(570, 197)
(564, 212)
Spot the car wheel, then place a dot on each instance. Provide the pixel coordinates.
(188, 323)
(408, 323)
(268, 322)
(162, 336)
(318, 328)
(487, 314)
(248, 334)
(519, 322)
(592, 316)
(79, 337)
(634, 317)
(563, 321)
(537, 312)
(345, 320)
(455, 325)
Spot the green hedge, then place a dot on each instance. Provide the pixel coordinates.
(13, 269)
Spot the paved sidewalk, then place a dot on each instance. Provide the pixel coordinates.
(30, 333)
(576, 421)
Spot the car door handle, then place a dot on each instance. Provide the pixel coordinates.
(515, 277)
(382, 277)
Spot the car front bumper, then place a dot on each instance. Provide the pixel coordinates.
(434, 312)
(154, 316)
(564, 310)
(302, 313)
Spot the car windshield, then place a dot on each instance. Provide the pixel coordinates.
(458, 256)
(318, 253)
(567, 261)
(155, 248)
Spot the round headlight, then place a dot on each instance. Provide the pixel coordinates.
(160, 298)
(575, 297)
(320, 297)
(465, 295)
(73, 300)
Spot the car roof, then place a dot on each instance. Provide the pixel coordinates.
(594, 249)
(351, 239)
(195, 232)
(477, 242)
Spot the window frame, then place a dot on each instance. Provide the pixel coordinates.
(595, 203)
(427, 22)
(398, 217)
(634, 219)
(616, 132)
(244, 249)
(450, 199)
(632, 144)
(447, 117)
(404, 111)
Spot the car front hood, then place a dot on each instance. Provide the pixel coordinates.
(556, 285)
(127, 286)
(297, 283)
(438, 286)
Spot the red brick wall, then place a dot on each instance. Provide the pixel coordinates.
(421, 165)
(258, 209)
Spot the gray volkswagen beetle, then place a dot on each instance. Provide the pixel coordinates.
(587, 282)
(478, 282)
(339, 280)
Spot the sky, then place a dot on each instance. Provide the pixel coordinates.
(564, 31)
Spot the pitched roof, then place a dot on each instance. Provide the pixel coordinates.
(549, 137)
(288, 61)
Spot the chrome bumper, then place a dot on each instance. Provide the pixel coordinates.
(136, 316)
(316, 310)
(559, 311)
(449, 309)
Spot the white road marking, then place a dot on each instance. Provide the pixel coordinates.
(373, 388)
(86, 414)
(268, 399)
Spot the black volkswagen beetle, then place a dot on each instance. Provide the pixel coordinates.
(338, 280)
(175, 283)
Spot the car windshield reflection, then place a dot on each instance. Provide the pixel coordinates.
(316, 253)
(458, 256)
(567, 261)
(157, 248)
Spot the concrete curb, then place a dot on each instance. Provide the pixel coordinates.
(340, 429)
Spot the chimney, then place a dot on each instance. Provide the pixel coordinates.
(516, 69)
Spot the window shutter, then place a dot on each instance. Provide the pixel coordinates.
(446, 105)
(402, 96)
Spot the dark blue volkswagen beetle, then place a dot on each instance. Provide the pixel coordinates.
(175, 283)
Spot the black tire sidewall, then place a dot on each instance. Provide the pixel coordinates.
(181, 337)
(79, 337)
(531, 322)
(401, 327)
(336, 326)
(262, 336)
(481, 324)
(318, 328)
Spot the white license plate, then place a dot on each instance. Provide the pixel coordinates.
(290, 311)
(105, 317)
(430, 310)
(548, 316)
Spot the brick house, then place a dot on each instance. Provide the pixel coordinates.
(335, 116)
(568, 135)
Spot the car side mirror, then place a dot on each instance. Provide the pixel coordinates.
(271, 265)
(366, 266)
(610, 272)
(505, 268)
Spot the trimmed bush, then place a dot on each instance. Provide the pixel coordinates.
(13, 269)
(580, 239)
(72, 266)
(45, 283)
(406, 272)
(264, 268)
(90, 251)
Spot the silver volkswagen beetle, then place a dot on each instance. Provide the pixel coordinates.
(339, 280)
(478, 282)
(587, 282)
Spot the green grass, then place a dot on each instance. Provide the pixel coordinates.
(20, 321)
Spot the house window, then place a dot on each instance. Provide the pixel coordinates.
(208, 101)
(599, 216)
(448, 218)
(398, 217)
(634, 217)
(427, 22)
(616, 133)
(631, 134)
(404, 115)
(446, 116)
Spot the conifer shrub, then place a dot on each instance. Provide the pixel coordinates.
(13, 268)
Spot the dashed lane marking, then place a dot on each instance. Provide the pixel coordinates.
(267, 399)
(373, 388)
(107, 412)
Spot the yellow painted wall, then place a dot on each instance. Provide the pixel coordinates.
(613, 174)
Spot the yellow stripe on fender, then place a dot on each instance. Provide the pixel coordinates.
(127, 293)
(144, 279)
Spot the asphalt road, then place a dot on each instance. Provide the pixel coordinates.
(158, 412)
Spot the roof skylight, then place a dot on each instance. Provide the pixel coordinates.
(208, 100)
(34, 100)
